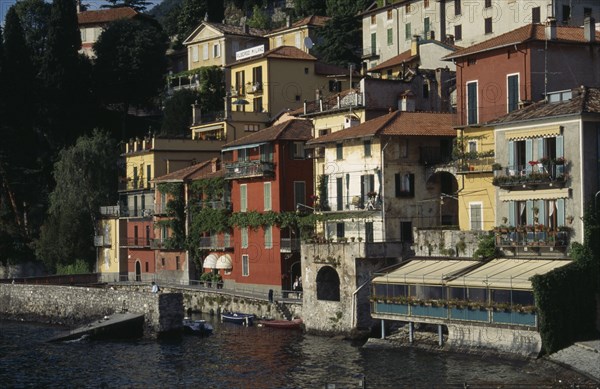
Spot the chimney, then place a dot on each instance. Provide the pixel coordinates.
(450, 39)
(288, 21)
(196, 113)
(550, 29)
(78, 6)
(317, 94)
(406, 102)
(414, 45)
(589, 29)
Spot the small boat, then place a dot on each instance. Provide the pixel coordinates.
(286, 324)
(246, 319)
(196, 327)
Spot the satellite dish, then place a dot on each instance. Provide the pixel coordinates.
(308, 43)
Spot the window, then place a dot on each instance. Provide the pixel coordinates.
(475, 216)
(373, 19)
(162, 261)
(488, 25)
(177, 265)
(244, 237)
(367, 187)
(335, 86)
(407, 8)
(242, 155)
(257, 78)
(340, 230)
(245, 265)
(306, 70)
(535, 15)
(147, 235)
(425, 90)
(426, 3)
(407, 31)
(299, 192)
(143, 204)
(135, 235)
(135, 206)
(148, 175)
(488, 4)
(513, 92)
(339, 151)
(403, 148)
(458, 32)
(164, 233)
(243, 198)
(195, 57)
(373, 43)
(257, 104)
(299, 151)
(369, 232)
(239, 83)
(406, 234)
(339, 193)
(216, 50)
(279, 41)
(251, 127)
(457, 7)
(405, 184)
(147, 267)
(266, 152)
(135, 177)
(390, 36)
(205, 51)
(269, 237)
(426, 27)
(389, 14)
(566, 14)
(267, 196)
(367, 147)
(472, 114)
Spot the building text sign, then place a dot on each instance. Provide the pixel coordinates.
(251, 52)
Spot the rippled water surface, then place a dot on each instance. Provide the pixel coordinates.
(240, 357)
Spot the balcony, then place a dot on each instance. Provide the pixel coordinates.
(216, 242)
(139, 242)
(249, 169)
(255, 88)
(370, 53)
(216, 204)
(289, 245)
(480, 165)
(534, 237)
(136, 183)
(100, 241)
(434, 156)
(137, 212)
(111, 211)
(349, 202)
(533, 176)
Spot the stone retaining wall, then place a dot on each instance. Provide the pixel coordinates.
(69, 305)
(527, 343)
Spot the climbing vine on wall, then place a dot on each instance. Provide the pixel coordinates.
(175, 211)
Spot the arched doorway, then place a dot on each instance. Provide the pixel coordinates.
(295, 271)
(138, 271)
(442, 186)
(328, 284)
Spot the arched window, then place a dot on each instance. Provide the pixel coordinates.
(328, 284)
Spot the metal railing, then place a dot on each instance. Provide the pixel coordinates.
(244, 169)
(529, 236)
(289, 245)
(216, 242)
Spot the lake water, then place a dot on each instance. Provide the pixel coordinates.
(239, 357)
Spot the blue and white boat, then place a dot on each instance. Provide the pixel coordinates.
(196, 327)
(246, 319)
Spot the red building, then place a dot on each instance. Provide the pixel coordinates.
(269, 173)
(502, 74)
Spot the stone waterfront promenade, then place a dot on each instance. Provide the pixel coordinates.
(583, 357)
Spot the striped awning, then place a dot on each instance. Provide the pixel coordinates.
(425, 271)
(224, 262)
(210, 262)
(246, 146)
(505, 273)
(534, 133)
(524, 195)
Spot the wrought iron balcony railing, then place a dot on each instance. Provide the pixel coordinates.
(247, 169)
(531, 236)
(535, 175)
(216, 242)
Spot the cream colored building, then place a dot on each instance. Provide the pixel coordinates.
(296, 34)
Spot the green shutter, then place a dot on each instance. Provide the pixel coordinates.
(511, 155)
(528, 154)
(243, 198)
(560, 152)
(560, 212)
(529, 210)
(541, 204)
(511, 213)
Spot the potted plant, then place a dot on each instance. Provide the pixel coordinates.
(560, 161)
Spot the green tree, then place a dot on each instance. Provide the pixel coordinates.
(130, 64)
(310, 7)
(65, 92)
(178, 113)
(192, 14)
(86, 176)
(260, 18)
(34, 16)
(138, 5)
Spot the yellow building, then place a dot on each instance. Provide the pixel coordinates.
(296, 34)
(112, 258)
(216, 44)
(265, 84)
(476, 194)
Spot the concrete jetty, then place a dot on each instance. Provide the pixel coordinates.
(117, 326)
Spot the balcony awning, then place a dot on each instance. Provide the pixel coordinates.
(545, 194)
(224, 262)
(425, 271)
(533, 133)
(208, 128)
(247, 146)
(506, 273)
(210, 262)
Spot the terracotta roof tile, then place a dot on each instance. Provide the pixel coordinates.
(394, 61)
(528, 33)
(105, 15)
(294, 129)
(399, 123)
(584, 100)
(194, 172)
